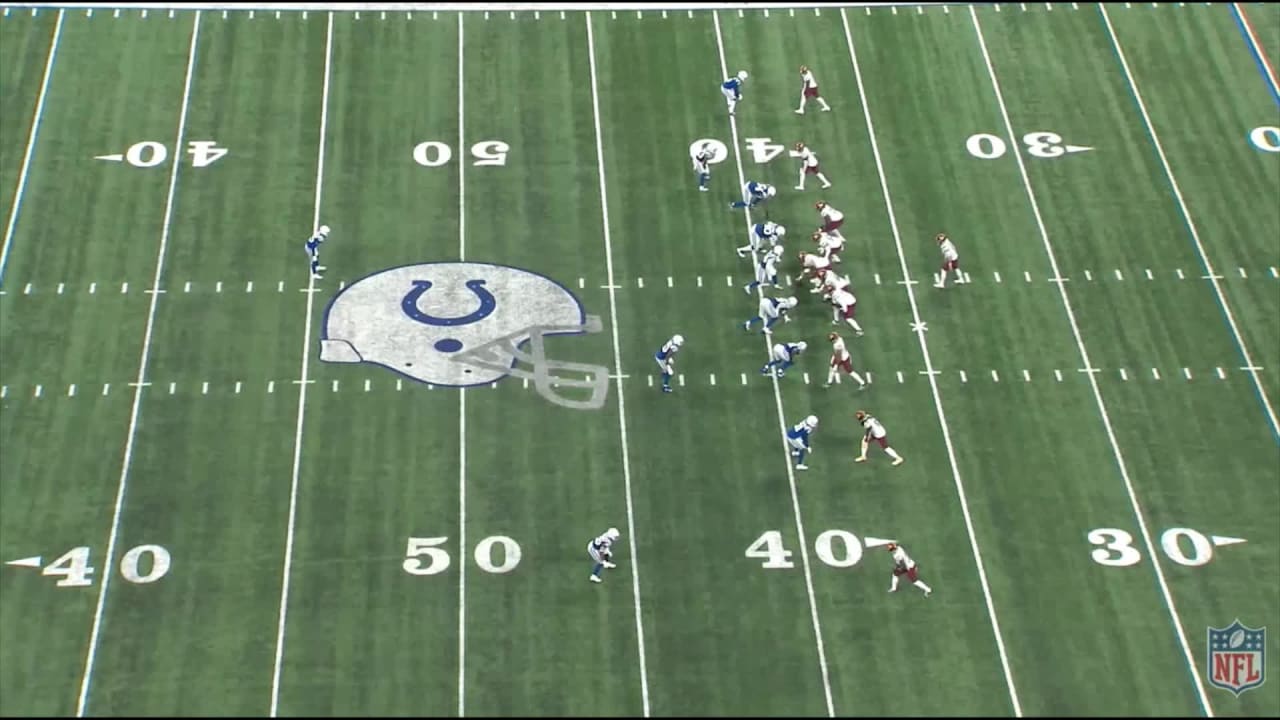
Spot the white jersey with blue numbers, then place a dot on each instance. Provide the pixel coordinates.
(601, 548)
(313, 243)
(767, 269)
(755, 191)
(798, 435)
(732, 86)
(702, 162)
(771, 308)
(767, 231)
(786, 352)
(669, 350)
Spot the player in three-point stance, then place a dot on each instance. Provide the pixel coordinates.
(766, 270)
(874, 432)
(809, 166)
(904, 565)
(313, 251)
(950, 262)
(832, 219)
(601, 552)
(841, 361)
(753, 194)
(732, 89)
(767, 231)
(783, 356)
(666, 359)
(798, 440)
(811, 264)
(702, 166)
(829, 246)
(830, 282)
(809, 89)
(770, 310)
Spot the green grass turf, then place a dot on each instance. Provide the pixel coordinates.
(1029, 465)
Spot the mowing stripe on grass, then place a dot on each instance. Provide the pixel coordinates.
(141, 382)
(1093, 380)
(782, 420)
(1259, 55)
(1210, 273)
(933, 382)
(31, 144)
(617, 362)
(302, 387)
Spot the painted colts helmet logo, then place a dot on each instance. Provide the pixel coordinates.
(463, 325)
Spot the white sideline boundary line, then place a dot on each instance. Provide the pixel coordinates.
(782, 422)
(462, 408)
(140, 383)
(465, 7)
(302, 388)
(932, 376)
(1211, 275)
(617, 362)
(32, 133)
(1093, 380)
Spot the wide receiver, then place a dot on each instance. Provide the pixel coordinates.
(950, 262)
(809, 89)
(874, 431)
(904, 565)
(841, 361)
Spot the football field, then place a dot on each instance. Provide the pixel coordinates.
(230, 486)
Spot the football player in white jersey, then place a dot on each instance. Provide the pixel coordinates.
(829, 246)
(731, 88)
(783, 356)
(763, 233)
(601, 552)
(766, 270)
(770, 310)
(831, 282)
(810, 265)
(874, 432)
(845, 306)
(702, 166)
(904, 565)
(798, 439)
(809, 89)
(313, 251)
(841, 361)
(950, 262)
(666, 358)
(832, 219)
(809, 166)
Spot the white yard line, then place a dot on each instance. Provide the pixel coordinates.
(462, 402)
(782, 420)
(617, 363)
(140, 382)
(933, 382)
(31, 144)
(1093, 380)
(1210, 274)
(302, 387)
(1257, 48)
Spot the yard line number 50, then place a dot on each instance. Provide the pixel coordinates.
(424, 556)
(434, 153)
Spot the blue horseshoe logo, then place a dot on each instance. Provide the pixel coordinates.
(410, 305)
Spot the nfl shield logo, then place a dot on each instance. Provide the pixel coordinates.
(1237, 657)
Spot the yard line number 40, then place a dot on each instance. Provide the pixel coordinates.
(74, 569)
